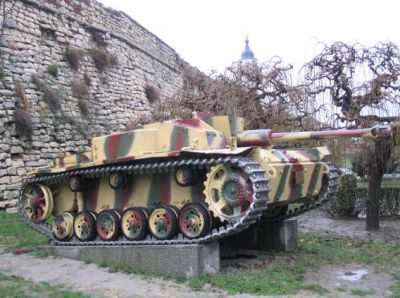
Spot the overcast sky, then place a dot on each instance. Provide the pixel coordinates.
(210, 34)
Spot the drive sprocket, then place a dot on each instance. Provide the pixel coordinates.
(228, 192)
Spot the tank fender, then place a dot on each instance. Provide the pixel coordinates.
(324, 152)
(236, 151)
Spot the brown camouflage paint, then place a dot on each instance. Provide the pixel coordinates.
(201, 137)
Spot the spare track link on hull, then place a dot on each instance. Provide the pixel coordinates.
(255, 172)
(301, 208)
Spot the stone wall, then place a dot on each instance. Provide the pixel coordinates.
(67, 107)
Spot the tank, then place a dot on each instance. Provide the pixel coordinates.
(180, 181)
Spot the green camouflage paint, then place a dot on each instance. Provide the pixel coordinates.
(118, 145)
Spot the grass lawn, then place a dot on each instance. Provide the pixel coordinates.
(283, 274)
(14, 234)
(13, 286)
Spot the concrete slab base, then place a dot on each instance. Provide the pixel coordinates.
(275, 236)
(188, 261)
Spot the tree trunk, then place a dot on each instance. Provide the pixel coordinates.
(374, 187)
(376, 169)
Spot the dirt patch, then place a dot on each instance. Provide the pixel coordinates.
(352, 279)
(91, 279)
(348, 280)
(317, 222)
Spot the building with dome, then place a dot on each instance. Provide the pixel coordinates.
(247, 54)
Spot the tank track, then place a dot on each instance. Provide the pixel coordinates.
(255, 172)
(333, 183)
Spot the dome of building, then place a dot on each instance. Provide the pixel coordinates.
(247, 53)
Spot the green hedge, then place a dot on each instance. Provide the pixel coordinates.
(351, 201)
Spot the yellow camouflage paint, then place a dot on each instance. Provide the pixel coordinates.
(206, 166)
(293, 174)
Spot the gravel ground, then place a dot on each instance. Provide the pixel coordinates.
(317, 222)
(342, 280)
(91, 279)
(100, 282)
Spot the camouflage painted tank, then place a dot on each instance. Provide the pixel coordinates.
(179, 181)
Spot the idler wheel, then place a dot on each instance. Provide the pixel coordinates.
(194, 222)
(37, 201)
(85, 226)
(185, 176)
(134, 223)
(63, 226)
(108, 225)
(163, 222)
(228, 192)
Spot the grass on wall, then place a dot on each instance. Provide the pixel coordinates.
(52, 69)
(51, 96)
(22, 117)
(102, 59)
(74, 57)
(79, 89)
(23, 122)
(83, 107)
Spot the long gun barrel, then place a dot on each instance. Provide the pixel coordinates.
(266, 137)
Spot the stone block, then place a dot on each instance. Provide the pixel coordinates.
(5, 180)
(9, 195)
(272, 236)
(3, 205)
(189, 261)
(16, 150)
(21, 172)
(12, 210)
(282, 235)
(12, 171)
(10, 23)
(12, 203)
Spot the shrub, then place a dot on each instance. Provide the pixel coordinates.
(152, 93)
(345, 199)
(83, 107)
(87, 79)
(74, 57)
(389, 205)
(23, 122)
(103, 79)
(139, 120)
(22, 99)
(51, 96)
(79, 90)
(389, 202)
(102, 59)
(52, 69)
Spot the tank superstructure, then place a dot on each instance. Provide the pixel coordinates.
(179, 181)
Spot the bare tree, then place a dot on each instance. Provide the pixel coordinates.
(363, 85)
(264, 94)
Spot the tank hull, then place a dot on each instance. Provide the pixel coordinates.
(282, 178)
(179, 181)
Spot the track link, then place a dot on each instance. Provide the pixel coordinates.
(252, 169)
